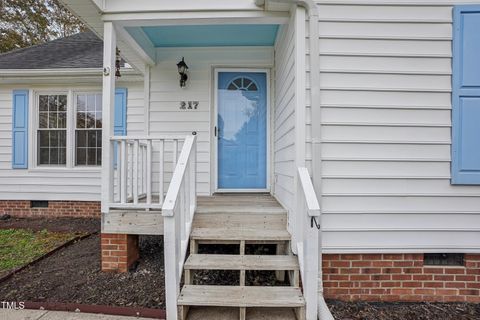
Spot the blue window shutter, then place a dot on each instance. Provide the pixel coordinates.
(466, 96)
(120, 118)
(20, 129)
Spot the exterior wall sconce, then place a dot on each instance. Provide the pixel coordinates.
(117, 64)
(182, 70)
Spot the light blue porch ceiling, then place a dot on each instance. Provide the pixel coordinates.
(208, 35)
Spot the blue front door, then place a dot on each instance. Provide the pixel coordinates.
(242, 130)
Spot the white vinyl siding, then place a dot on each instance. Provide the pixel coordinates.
(386, 121)
(77, 183)
(284, 116)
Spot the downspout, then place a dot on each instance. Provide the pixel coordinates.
(312, 11)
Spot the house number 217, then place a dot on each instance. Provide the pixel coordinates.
(189, 105)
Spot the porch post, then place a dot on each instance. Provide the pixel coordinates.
(108, 101)
(298, 14)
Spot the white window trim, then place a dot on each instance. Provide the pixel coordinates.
(34, 114)
(74, 126)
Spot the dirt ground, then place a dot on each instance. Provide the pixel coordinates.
(403, 311)
(52, 224)
(73, 275)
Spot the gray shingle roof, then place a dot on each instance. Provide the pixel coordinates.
(82, 50)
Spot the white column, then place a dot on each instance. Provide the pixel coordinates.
(295, 218)
(108, 101)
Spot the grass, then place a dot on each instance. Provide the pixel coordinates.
(20, 246)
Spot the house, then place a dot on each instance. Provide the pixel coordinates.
(360, 118)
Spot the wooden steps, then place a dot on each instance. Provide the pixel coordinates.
(241, 262)
(241, 220)
(248, 235)
(234, 296)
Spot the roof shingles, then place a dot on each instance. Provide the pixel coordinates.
(82, 50)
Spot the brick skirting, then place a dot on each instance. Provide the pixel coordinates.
(22, 208)
(399, 277)
(119, 251)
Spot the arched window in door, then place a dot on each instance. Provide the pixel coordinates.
(243, 84)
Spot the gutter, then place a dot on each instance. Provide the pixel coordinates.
(59, 72)
(312, 11)
(60, 75)
(50, 72)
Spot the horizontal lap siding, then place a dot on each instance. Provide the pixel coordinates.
(386, 130)
(72, 184)
(166, 118)
(284, 116)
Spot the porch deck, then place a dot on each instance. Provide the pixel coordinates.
(248, 210)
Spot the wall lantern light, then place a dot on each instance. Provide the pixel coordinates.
(117, 64)
(182, 70)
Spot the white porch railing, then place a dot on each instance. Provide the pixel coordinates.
(133, 179)
(306, 237)
(178, 211)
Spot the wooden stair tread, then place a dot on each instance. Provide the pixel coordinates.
(238, 208)
(239, 234)
(234, 296)
(241, 262)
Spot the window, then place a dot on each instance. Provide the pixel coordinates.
(243, 84)
(67, 127)
(88, 129)
(68, 130)
(466, 96)
(52, 129)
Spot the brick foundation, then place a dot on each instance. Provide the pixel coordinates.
(22, 208)
(399, 277)
(119, 251)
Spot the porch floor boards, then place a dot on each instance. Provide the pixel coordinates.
(245, 212)
(239, 203)
(255, 201)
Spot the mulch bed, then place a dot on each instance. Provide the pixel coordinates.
(73, 275)
(403, 311)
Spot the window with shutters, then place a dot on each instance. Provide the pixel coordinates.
(466, 96)
(67, 127)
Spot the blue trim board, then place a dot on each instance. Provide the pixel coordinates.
(120, 114)
(466, 95)
(209, 35)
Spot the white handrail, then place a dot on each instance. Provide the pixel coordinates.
(162, 137)
(309, 193)
(307, 238)
(135, 179)
(178, 211)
